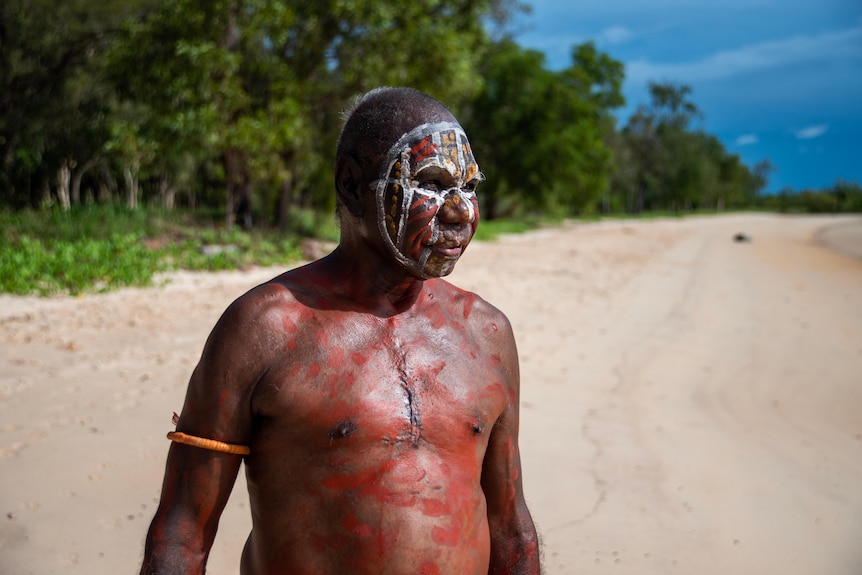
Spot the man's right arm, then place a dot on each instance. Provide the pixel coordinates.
(196, 488)
(198, 481)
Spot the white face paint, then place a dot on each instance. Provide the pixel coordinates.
(408, 202)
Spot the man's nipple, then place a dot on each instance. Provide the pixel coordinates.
(342, 430)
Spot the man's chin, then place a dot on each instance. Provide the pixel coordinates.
(432, 269)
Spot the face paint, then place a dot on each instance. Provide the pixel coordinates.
(408, 203)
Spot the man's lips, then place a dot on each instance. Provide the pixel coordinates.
(448, 250)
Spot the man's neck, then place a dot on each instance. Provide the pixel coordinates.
(383, 287)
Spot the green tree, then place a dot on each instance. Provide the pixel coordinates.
(540, 135)
(53, 104)
(675, 169)
(258, 84)
(668, 162)
(596, 81)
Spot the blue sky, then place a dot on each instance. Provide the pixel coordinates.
(777, 80)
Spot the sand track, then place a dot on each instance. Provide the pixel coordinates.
(690, 404)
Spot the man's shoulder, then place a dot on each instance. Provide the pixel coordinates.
(293, 290)
(473, 306)
(284, 295)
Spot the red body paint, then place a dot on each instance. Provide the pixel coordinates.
(353, 525)
(450, 536)
(468, 305)
(433, 507)
(424, 149)
(388, 469)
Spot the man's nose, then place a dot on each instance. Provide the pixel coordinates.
(456, 209)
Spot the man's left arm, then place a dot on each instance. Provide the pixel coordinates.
(514, 541)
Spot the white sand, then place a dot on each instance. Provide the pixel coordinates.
(690, 404)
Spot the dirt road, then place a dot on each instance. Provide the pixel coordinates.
(690, 404)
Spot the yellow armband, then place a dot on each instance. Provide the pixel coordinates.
(211, 444)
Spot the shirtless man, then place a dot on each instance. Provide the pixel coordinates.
(379, 403)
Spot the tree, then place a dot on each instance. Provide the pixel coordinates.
(596, 79)
(259, 84)
(670, 163)
(53, 104)
(540, 135)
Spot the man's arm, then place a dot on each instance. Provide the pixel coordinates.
(196, 488)
(514, 542)
(198, 482)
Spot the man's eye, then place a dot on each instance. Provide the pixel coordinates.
(471, 186)
(432, 185)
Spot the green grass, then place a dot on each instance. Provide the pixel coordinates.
(105, 247)
(33, 265)
(100, 248)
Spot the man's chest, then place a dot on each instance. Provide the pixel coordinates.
(384, 385)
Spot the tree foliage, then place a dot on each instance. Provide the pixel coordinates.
(540, 134)
(253, 88)
(53, 103)
(842, 197)
(233, 106)
(667, 162)
(230, 101)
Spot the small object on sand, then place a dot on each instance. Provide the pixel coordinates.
(743, 238)
(210, 444)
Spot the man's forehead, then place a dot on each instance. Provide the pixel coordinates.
(440, 144)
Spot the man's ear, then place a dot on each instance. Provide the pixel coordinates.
(348, 184)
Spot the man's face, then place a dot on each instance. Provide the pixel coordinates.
(426, 199)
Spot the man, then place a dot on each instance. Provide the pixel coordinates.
(377, 403)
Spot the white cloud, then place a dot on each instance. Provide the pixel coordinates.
(811, 132)
(746, 140)
(615, 35)
(832, 46)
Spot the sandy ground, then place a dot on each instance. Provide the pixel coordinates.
(690, 404)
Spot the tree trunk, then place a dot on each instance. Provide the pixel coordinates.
(231, 158)
(244, 204)
(74, 192)
(130, 174)
(232, 162)
(167, 193)
(107, 185)
(78, 175)
(64, 176)
(46, 192)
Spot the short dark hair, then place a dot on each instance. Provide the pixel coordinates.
(378, 118)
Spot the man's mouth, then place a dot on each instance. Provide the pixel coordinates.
(448, 250)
